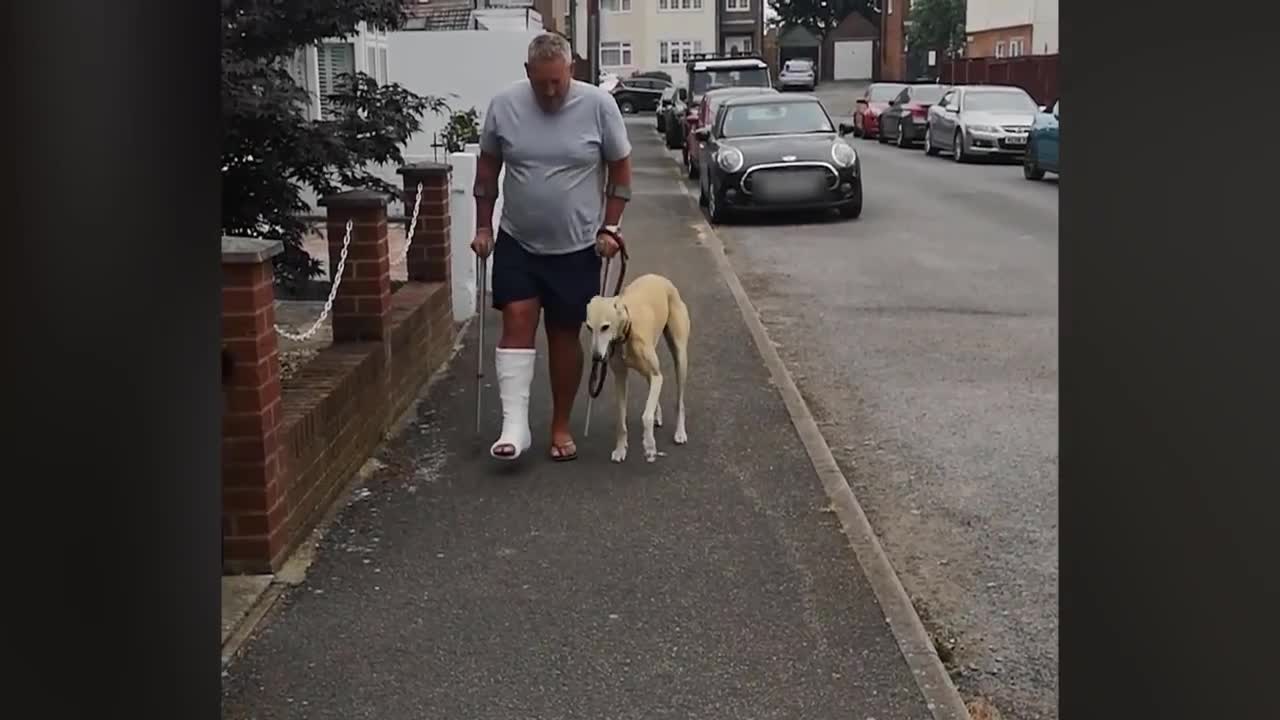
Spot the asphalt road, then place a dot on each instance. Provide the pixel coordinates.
(924, 336)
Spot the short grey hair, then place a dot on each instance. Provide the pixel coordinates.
(549, 46)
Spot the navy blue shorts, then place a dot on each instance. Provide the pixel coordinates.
(564, 284)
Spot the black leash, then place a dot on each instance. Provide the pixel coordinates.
(600, 366)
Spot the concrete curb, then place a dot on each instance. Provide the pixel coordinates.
(294, 570)
(913, 640)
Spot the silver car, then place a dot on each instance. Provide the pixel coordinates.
(980, 121)
(797, 73)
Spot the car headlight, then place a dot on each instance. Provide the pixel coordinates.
(843, 153)
(730, 159)
(983, 128)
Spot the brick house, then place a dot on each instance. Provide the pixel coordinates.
(850, 49)
(739, 26)
(1011, 28)
(893, 40)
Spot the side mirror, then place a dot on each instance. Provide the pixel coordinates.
(845, 129)
(1044, 109)
(683, 93)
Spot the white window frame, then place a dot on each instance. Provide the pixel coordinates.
(326, 80)
(748, 40)
(737, 5)
(684, 50)
(669, 6)
(1001, 49)
(624, 50)
(615, 6)
(1016, 47)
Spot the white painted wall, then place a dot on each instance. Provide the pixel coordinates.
(992, 14)
(1044, 31)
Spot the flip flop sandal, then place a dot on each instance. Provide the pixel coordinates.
(564, 453)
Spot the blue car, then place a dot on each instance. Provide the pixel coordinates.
(1043, 153)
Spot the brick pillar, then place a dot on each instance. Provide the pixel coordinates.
(252, 508)
(362, 307)
(429, 249)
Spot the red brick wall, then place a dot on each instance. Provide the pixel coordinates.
(983, 44)
(893, 43)
(291, 447)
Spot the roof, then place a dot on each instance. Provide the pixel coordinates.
(855, 26)
(797, 36)
(439, 15)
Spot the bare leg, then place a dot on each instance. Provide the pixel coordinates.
(564, 355)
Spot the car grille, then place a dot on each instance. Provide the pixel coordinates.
(1017, 128)
(788, 183)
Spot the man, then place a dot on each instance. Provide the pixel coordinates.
(557, 138)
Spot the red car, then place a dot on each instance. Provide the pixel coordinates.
(866, 114)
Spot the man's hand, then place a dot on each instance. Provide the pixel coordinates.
(606, 245)
(482, 245)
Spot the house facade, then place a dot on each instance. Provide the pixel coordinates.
(641, 35)
(1011, 28)
(739, 26)
(316, 68)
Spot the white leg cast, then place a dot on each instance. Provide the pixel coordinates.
(619, 371)
(514, 368)
(650, 405)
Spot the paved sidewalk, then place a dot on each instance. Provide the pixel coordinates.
(710, 584)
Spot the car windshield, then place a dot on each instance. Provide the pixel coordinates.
(883, 93)
(781, 118)
(999, 101)
(927, 95)
(797, 66)
(737, 77)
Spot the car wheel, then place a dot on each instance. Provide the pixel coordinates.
(902, 138)
(957, 148)
(857, 131)
(702, 191)
(718, 213)
(627, 107)
(691, 168)
(929, 149)
(880, 138)
(853, 209)
(1031, 170)
(673, 140)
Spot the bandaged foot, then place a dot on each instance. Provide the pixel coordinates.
(515, 375)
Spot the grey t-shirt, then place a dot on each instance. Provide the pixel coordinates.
(553, 194)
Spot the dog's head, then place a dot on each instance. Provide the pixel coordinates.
(607, 319)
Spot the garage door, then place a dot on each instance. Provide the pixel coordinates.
(853, 59)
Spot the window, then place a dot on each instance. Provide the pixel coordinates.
(332, 61)
(614, 54)
(677, 52)
(382, 66)
(371, 62)
(737, 5)
(1016, 47)
(677, 5)
(737, 44)
(615, 6)
(1001, 50)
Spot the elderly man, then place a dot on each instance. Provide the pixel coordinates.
(568, 160)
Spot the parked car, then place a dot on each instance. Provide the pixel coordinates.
(1043, 147)
(638, 94)
(664, 109)
(866, 112)
(798, 73)
(903, 123)
(980, 120)
(659, 74)
(707, 109)
(768, 152)
(704, 71)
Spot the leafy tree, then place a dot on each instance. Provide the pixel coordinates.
(271, 150)
(936, 25)
(819, 16)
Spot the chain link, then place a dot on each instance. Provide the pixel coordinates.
(333, 292)
(413, 227)
(342, 264)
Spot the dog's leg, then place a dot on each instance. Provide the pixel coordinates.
(677, 336)
(654, 373)
(619, 370)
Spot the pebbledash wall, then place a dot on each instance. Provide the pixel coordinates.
(290, 447)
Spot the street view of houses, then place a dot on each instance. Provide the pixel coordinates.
(864, 520)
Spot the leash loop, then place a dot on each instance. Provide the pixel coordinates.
(600, 366)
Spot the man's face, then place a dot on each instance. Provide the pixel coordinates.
(550, 80)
